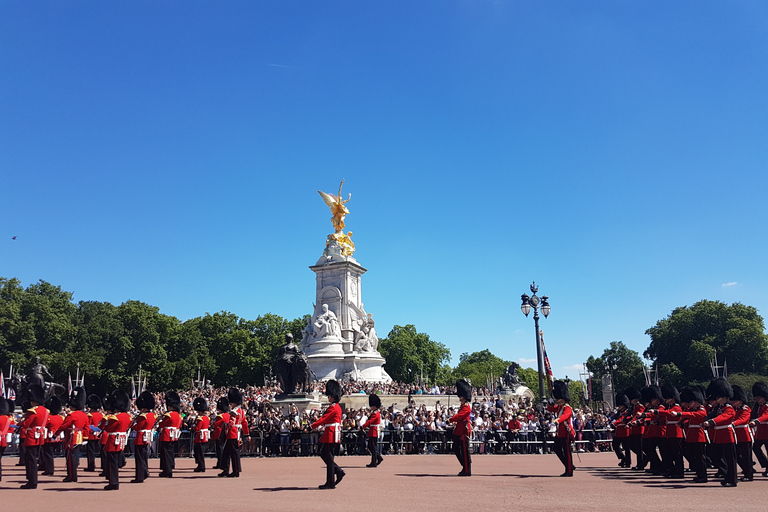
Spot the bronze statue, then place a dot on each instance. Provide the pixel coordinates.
(292, 367)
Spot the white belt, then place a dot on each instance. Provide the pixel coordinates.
(741, 426)
(695, 426)
(672, 422)
(721, 427)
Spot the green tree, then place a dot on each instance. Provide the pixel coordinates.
(479, 366)
(628, 371)
(408, 353)
(690, 336)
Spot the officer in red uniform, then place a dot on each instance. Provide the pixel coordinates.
(72, 428)
(329, 441)
(6, 423)
(235, 430)
(34, 429)
(170, 430)
(108, 414)
(562, 415)
(636, 427)
(620, 441)
(721, 420)
(760, 423)
(92, 437)
(52, 439)
(654, 431)
(671, 447)
(116, 433)
(219, 435)
(462, 432)
(374, 426)
(143, 425)
(694, 414)
(201, 431)
(743, 433)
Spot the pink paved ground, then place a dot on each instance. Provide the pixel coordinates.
(411, 482)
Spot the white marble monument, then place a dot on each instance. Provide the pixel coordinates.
(340, 340)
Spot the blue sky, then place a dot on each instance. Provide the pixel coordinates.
(614, 152)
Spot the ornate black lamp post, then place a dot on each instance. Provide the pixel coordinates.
(535, 302)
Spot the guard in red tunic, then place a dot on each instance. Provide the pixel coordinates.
(108, 414)
(6, 423)
(219, 435)
(72, 428)
(170, 431)
(671, 447)
(235, 430)
(721, 420)
(91, 436)
(694, 414)
(374, 427)
(563, 416)
(760, 423)
(654, 430)
(462, 432)
(620, 441)
(53, 440)
(143, 425)
(331, 438)
(636, 427)
(34, 429)
(201, 431)
(743, 433)
(116, 433)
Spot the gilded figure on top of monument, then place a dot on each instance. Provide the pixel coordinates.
(336, 203)
(339, 243)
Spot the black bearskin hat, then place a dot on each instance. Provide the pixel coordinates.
(649, 393)
(35, 393)
(374, 400)
(223, 404)
(235, 396)
(146, 400)
(172, 400)
(560, 391)
(5, 407)
(120, 400)
(53, 405)
(719, 388)
(333, 390)
(77, 399)
(669, 391)
(632, 393)
(621, 399)
(739, 394)
(464, 389)
(94, 402)
(691, 394)
(200, 404)
(760, 389)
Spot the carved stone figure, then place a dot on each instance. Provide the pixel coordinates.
(291, 367)
(326, 324)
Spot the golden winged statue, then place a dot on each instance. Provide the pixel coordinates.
(337, 208)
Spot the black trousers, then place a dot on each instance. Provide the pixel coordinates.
(231, 455)
(2, 451)
(375, 457)
(563, 452)
(695, 454)
(744, 459)
(621, 449)
(461, 450)
(91, 451)
(113, 468)
(636, 445)
(651, 455)
(167, 457)
(48, 451)
(22, 454)
(30, 459)
(72, 459)
(218, 445)
(199, 458)
(327, 453)
(141, 462)
(758, 449)
(726, 453)
(672, 456)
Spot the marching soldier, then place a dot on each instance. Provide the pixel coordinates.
(91, 436)
(695, 414)
(6, 422)
(672, 443)
(72, 428)
(235, 430)
(202, 433)
(760, 423)
(743, 433)
(219, 435)
(654, 432)
(462, 432)
(373, 425)
(116, 434)
(53, 439)
(329, 441)
(722, 417)
(34, 430)
(170, 430)
(143, 425)
(108, 410)
(636, 427)
(563, 417)
(621, 431)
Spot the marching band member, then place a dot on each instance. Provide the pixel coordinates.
(462, 432)
(219, 425)
(236, 428)
(563, 417)
(52, 439)
(34, 429)
(143, 425)
(116, 434)
(743, 433)
(329, 441)
(373, 425)
(92, 437)
(722, 417)
(72, 428)
(6, 422)
(170, 430)
(760, 392)
(202, 434)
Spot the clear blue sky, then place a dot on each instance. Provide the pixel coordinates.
(171, 152)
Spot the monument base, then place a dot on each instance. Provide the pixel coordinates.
(355, 366)
(304, 402)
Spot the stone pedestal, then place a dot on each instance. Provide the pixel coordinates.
(303, 402)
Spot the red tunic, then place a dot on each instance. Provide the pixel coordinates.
(373, 424)
(170, 427)
(620, 424)
(694, 432)
(564, 419)
(462, 421)
(723, 421)
(637, 413)
(116, 432)
(72, 428)
(237, 426)
(5, 426)
(761, 433)
(143, 425)
(654, 429)
(671, 423)
(202, 434)
(331, 422)
(51, 428)
(103, 425)
(95, 420)
(34, 426)
(741, 424)
(222, 420)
